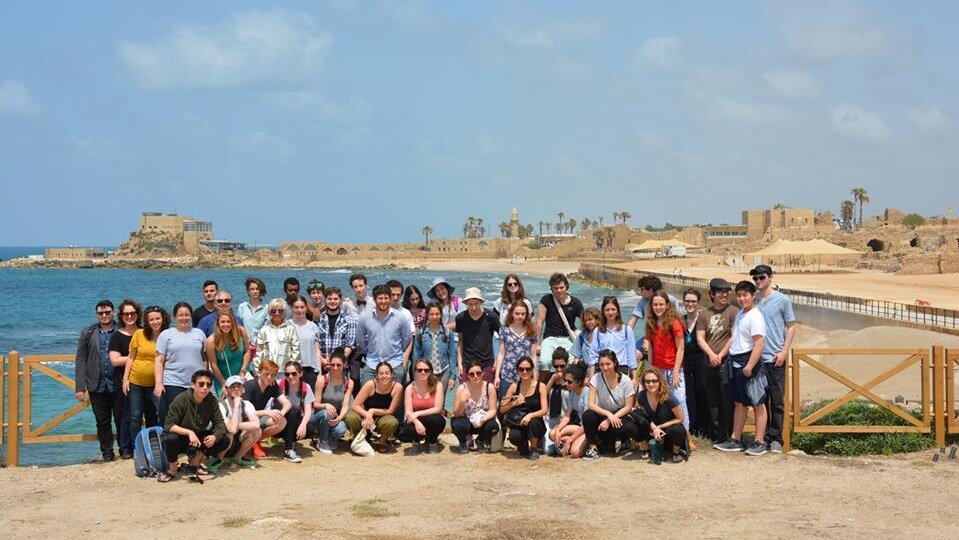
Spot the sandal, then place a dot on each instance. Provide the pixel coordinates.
(164, 477)
(202, 470)
(644, 455)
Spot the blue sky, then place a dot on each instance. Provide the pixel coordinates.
(364, 121)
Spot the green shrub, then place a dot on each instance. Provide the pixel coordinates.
(860, 413)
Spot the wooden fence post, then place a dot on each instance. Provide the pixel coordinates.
(938, 393)
(13, 418)
(787, 406)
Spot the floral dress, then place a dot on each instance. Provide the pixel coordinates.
(516, 347)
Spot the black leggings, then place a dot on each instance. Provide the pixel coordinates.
(675, 434)
(434, 424)
(520, 436)
(607, 439)
(293, 419)
(462, 428)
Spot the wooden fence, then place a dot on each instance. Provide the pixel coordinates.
(936, 378)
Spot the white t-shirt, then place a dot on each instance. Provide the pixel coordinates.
(746, 325)
(620, 392)
(248, 410)
(577, 403)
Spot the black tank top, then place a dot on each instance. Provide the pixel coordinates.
(379, 401)
(532, 402)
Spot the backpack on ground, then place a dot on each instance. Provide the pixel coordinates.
(149, 459)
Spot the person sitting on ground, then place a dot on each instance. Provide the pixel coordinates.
(474, 410)
(424, 408)
(242, 425)
(568, 435)
(194, 426)
(333, 391)
(301, 398)
(665, 342)
(556, 393)
(527, 395)
(610, 402)
(658, 415)
(263, 393)
(375, 406)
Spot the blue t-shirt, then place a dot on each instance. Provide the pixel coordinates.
(777, 311)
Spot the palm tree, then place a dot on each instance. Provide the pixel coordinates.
(427, 231)
(600, 218)
(571, 225)
(541, 227)
(625, 216)
(861, 196)
(561, 216)
(548, 227)
(504, 229)
(584, 225)
(847, 211)
(615, 217)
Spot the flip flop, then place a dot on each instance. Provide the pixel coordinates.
(164, 477)
(202, 470)
(644, 455)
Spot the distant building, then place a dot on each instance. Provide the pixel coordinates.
(758, 222)
(75, 253)
(190, 232)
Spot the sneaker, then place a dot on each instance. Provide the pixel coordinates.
(480, 446)
(415, 448)
(324, 447)
(126, 455)
(591, 454)
(533, 454)
(108, 457)
(290, 455)
(463, 448)
(756, 449)
(435, 448)
(731, 445)
(776, 447)
(258, 451)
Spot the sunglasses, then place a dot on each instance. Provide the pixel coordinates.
(423, 370)
(759, 278)
(275, 311)
(512, 284)
(524, 369)
(569, 381)
(291, 374)
(475, 374)
(559, 366)
(651, 381)
(223, 300)
(204, 384)
(104, 313)
(129, 314)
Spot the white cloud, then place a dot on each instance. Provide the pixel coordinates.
(319, 105)
(857, 123)
(15, 98)
(661, 52)
(930, 118)
(537, 38)
(744, 112)
(792, 84)
(552, 34)
(253, 47)
(826, 32)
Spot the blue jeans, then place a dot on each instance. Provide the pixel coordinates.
(320, 426)
(143, 405)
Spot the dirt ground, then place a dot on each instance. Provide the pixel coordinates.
(496, 496)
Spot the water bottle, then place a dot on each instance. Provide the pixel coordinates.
(656, 451)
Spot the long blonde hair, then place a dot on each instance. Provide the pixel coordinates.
(234, 338)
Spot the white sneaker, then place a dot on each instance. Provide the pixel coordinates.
(291, 456)
(325, 448)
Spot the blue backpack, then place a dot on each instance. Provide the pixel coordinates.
(149, 459)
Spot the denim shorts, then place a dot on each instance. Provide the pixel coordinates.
(738, 380)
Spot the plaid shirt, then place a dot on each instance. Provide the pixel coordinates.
(342, 335)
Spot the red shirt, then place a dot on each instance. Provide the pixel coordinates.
(664, 346)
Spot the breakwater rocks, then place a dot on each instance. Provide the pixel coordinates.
(203, 262)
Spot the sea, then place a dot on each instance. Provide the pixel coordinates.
(44, 310)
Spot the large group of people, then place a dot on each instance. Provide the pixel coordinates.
(226, 383)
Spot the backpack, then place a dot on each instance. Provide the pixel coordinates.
(149, 459)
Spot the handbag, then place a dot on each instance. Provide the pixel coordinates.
(573, 334)
(514, 417)
(360, 446)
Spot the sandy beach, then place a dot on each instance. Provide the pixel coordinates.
(495, 496)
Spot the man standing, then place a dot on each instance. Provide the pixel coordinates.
(557, 327)
(210, 288)
(385, 336)
(94, 376)
(396, 297)
(194, 426)
(475, 329)
(335, 329)
(777, 311)
(291, 287)
(361, 302)
(713, 331)
(224, 304)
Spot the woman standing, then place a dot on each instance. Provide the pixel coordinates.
(511, 293)
(139, 377)
(424, 408)
(307, 333)
(527, 396)
(227, 351)
(611, 399)
(119, 353)
(413, 301)
(180, 354)
(666, 337)
(437, 344)
(518, 340)
(278, 339)
(251, 313)
(694, 366)
(451, 306)
(659, 416)
(474, 410)
(375, 406)
(613, 334)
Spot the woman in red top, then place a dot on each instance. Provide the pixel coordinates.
(666, 340)
(424, 408)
